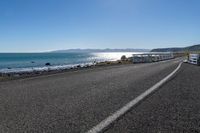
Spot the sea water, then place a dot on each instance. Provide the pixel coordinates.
(24, 62)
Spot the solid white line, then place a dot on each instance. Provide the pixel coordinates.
(109, 120)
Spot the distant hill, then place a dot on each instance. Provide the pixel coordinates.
(182, 49)
(100, 50)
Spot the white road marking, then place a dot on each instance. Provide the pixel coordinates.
(109, 120)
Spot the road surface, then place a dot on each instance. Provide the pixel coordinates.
(174, 108)
(75, 101)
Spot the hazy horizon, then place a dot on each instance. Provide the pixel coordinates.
(48, 25)
(136, 49)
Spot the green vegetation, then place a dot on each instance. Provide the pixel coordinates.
(123, 58)
(1, 78)
(107, 63)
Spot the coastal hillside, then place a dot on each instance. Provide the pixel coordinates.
(176, 49)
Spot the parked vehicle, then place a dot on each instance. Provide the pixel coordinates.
(152, 57)
(194, 59)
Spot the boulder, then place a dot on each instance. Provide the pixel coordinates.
(47, 64)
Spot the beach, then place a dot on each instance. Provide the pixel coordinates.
(29, 62)
(75, 101)
(42, 72)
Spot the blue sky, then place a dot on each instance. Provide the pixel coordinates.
(43, 25)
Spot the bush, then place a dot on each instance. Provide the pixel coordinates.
(123, 58)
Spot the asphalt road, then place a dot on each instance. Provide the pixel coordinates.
(74, 101)
(174, 108)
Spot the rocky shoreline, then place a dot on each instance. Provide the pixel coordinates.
(17, 75)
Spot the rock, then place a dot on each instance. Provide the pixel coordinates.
(47, 64)
(78, 66)
(119, 62)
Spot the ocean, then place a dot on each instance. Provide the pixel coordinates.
(26, 62)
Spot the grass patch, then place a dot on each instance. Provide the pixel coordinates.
(107, 63)
(1, 78)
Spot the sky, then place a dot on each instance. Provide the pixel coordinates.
(45, 25)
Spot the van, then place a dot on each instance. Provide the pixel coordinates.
(194, 59)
